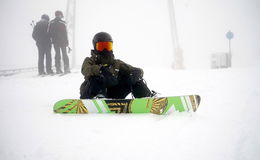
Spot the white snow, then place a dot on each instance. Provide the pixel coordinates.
(225, 127)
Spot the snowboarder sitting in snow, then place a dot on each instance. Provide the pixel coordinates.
(107, 77)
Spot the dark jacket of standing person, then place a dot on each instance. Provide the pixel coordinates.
(58, 32)
(41, 36)
(59, 37)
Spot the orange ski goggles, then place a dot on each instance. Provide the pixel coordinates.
(100, 46)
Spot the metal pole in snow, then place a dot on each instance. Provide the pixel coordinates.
(178, 55)
(70, 20)
(229, 36)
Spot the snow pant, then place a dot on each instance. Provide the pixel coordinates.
(65, 58)
(95, 85)
(44, 50)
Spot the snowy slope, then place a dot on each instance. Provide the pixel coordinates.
(225, 127)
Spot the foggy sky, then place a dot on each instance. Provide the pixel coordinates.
(140, 28)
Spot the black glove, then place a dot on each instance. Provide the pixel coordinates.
(135, 76)
(108, 77)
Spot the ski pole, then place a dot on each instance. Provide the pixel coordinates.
(69, 49)
(32, 24)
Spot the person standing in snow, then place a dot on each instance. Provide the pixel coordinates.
(107, 77)
(43, 43)
(59, 37)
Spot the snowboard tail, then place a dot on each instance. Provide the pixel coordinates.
(160, 105)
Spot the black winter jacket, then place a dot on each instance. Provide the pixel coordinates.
(40, 33)
(58, 32)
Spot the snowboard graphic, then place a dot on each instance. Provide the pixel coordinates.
(158, 105)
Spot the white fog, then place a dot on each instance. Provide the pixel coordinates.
(140, 29)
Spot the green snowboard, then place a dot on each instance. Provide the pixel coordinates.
(158, 105)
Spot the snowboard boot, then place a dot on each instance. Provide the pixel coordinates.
(140, 90)
(50, 72)
(154, 94)
(42, 74)
(59, 71)
(99, 96)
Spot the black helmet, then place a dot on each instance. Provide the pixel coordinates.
(58, 14)
(46, 17)
(101, 37)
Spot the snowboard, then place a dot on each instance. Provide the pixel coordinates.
(157, 105)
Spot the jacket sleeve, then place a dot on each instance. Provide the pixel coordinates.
(66, 35)
(64, 32)
(35, 32)
(50, 30)
(127, 69)
(89, 68)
